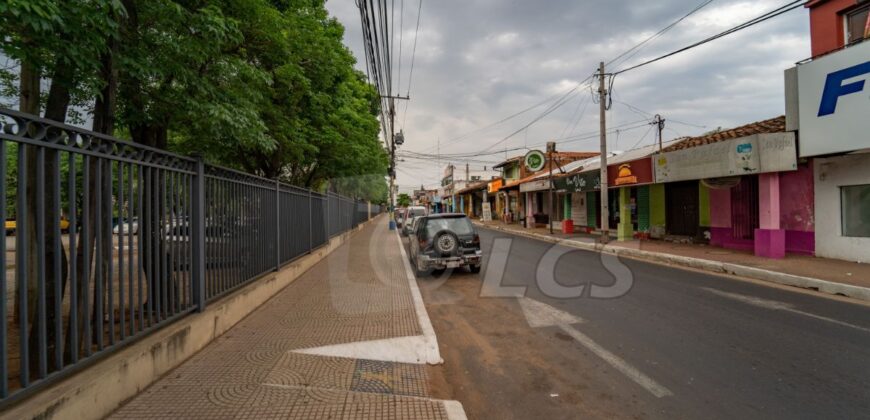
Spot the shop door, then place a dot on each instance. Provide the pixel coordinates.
(744, 208)
(681, 201)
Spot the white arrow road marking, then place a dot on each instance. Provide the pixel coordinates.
(780, 306)
(542, 315)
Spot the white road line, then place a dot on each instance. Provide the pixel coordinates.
(434, 354)
(635, 375)
(780, 306)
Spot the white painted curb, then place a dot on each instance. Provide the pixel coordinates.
(824, 286)
(433, 355)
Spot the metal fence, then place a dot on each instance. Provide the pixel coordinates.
(113, 240)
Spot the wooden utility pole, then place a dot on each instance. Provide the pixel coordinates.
(605, 203)
(660, 124)
(551, 147)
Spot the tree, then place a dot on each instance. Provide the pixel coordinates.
(259, 85)
(403, 200)
(62, 40)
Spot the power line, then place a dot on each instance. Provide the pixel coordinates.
(413, 59)
(562, 101)
(401, 37)
(752, 22)
(637, 48)
(571, 139)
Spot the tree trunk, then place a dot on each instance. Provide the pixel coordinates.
(56, 108)
(100, 187)
(29, 103)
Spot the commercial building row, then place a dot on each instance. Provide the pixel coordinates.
(798, 183)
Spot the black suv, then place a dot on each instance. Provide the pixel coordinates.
(442, 241)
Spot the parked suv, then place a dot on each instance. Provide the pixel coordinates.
(442, 241)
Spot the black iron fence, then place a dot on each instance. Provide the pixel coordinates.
(109, 240)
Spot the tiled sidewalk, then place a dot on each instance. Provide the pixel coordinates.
(358, 293)
(838, 271)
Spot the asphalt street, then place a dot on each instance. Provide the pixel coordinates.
(678, 344)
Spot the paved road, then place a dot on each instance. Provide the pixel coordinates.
(680, 344)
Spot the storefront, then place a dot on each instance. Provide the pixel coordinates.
(538, 210)
(629, 179)
(832, 116)
(731, 191)
(582, 188)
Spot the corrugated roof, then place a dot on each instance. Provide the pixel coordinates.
(513, 159)
(773, 125)
(594, 164)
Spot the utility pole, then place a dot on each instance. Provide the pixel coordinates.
(660, 124)
(605, 203)
(392, 166)
(551, 147)
(392, 146)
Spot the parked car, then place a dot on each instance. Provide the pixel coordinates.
(11, 226)
(129, 226)
(442, 241)
(410, 214)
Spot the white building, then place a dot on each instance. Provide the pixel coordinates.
(829, 104)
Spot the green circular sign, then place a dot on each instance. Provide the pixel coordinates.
(535, 160)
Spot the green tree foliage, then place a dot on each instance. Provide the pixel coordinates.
(403, 200)
(262, 86)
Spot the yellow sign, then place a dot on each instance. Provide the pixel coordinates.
(625, 176)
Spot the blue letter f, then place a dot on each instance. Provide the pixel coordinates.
(834, 87)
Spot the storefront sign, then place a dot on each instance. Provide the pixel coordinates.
(539, 185)
(624, 175)
(495, 185)
(579, 182)
(834, 102)
(754, 154)
(636, 172)
(535, 160)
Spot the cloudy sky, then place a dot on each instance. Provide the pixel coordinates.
(479, 61)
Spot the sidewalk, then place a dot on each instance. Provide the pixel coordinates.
(285, 359)
(826, 275)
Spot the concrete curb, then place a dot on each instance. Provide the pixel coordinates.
(824, 286)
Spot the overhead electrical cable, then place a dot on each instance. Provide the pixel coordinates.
(631, 52)
(752, 22)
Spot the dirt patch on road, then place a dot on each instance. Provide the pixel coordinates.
(499, 367)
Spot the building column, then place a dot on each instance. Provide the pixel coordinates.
(625, 230)
(769, 237)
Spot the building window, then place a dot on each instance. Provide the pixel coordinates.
(855, 203)
(857, 25)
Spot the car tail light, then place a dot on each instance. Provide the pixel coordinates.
(476, 240)
(422, 243)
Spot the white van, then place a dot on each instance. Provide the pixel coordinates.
(410, 214)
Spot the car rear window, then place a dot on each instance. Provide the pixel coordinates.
(458, 225)
(416, 213)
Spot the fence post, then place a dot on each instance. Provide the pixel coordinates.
(310, 220)
(198, 236)
(277, 225)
